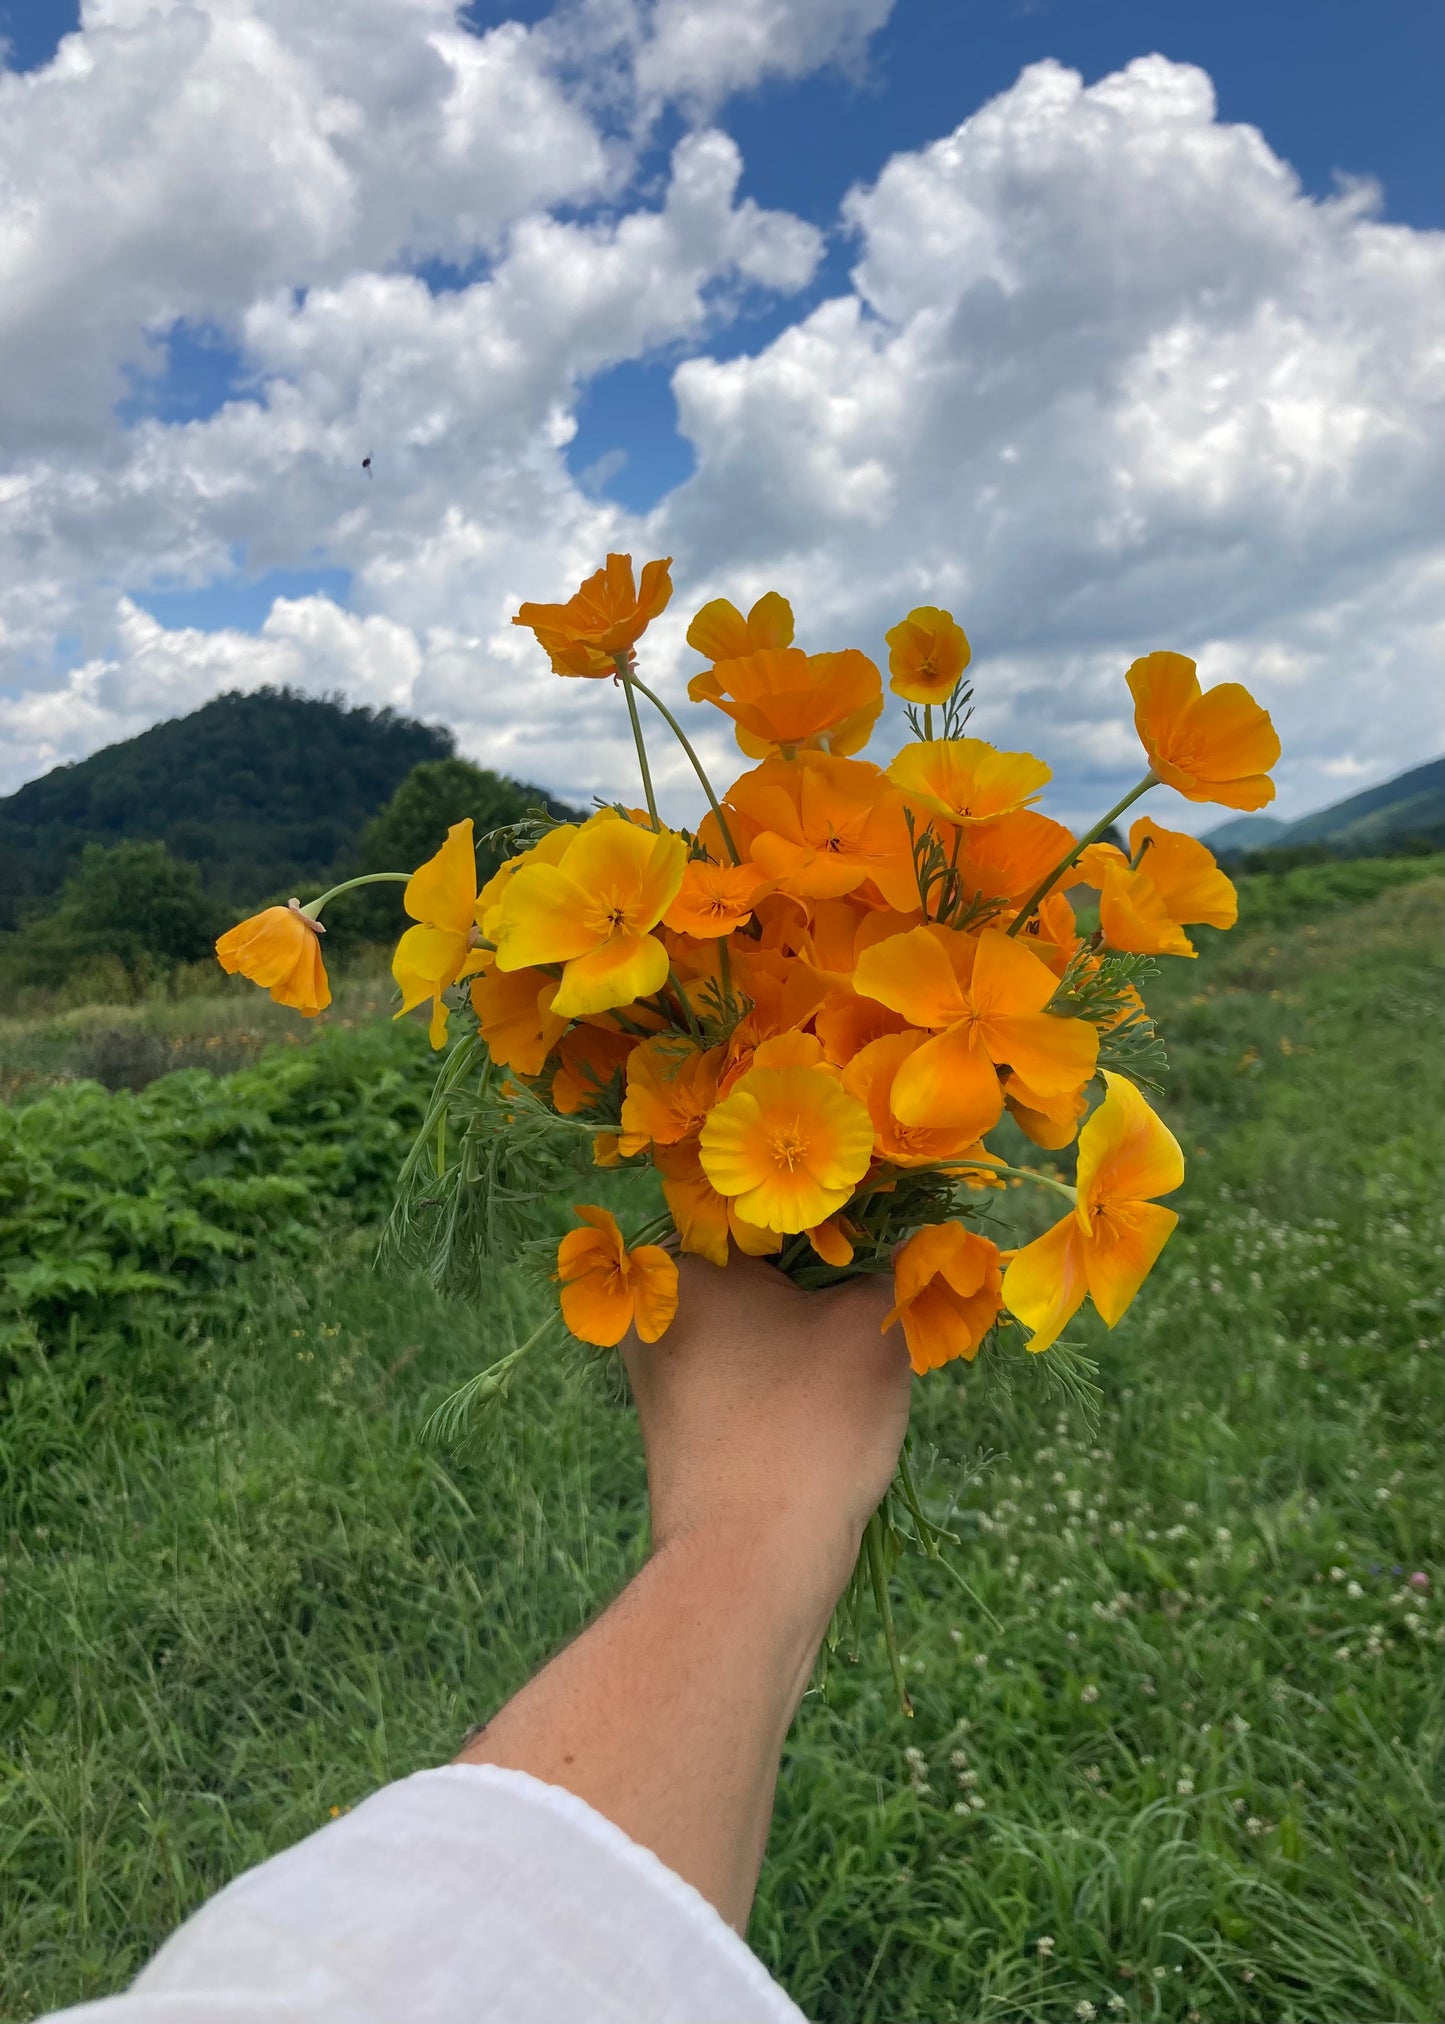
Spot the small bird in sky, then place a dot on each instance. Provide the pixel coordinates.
(366, 465)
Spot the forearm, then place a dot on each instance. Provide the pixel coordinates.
(668, 1714)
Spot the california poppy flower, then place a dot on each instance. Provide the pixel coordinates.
(1006, 857)
(1173, 879)
(713, 899)
(514, 1014)
(820, 827)
(870, 1076)
(593, 912)
(788, 1145)
(280, 949)
(722, 633)
(1217, 745)
(1107, 1243)
(607, 1289)
(441, 897)
(706, 1222)
(946, 1285)
(983, 997)
(784, 701)
(967, 779)
(927, 653)
(671, 1087)
(602, 620)
(588, 1056)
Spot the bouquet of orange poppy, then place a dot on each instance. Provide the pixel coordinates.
(806, 1013)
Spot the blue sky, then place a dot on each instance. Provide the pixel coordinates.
(1276, 365)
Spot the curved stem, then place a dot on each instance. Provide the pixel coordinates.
(686, 744)
(624, 675)
(1042, 892)
(369, 878)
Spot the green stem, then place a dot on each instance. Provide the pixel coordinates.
(1028, 1174)
(1042, 892)
(624, 674)
(370, 878)
(697, 767)
(878, 1577)
(928, 722)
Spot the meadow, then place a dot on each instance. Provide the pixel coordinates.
(1175, 1745)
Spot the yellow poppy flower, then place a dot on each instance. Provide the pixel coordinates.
(926, 655)
(946, 1285)
(441, 896)
(593, 912)
(722, 633)
(607, 1289)
(706, 1222)
(967, 779)
(788, 1145)
(279, 949)
(983, 997)
(1107, 1243)
(602, 620)
(1216, 746)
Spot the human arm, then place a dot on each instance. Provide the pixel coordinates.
(771, 1420)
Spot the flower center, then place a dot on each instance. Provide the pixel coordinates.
(788, 1146)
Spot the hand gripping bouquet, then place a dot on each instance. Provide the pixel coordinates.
(805, 1015)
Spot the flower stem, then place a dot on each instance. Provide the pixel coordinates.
(928, 722)
(878, 1577)
(686, 744)
(1031, 1174)
(1042, 892)
(370, 878)
(624, 674)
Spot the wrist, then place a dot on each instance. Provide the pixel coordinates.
(780, 1571)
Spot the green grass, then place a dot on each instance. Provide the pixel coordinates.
(1185, 1731)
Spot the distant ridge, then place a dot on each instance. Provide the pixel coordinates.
(260, 791)
(1410, 808)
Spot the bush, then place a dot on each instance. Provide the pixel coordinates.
(130, 905)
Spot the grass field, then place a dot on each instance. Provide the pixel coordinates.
(1176, 1758)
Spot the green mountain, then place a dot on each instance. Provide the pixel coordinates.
(1409, 810)
(259, 791)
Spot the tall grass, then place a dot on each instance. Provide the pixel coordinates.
(1174, 1756)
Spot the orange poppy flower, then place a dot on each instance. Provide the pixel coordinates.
(593, 912)
(1217, 745)
(441, 896)
(967, 779)
(601, 621)
(279, 949)
(607, 1289)
(671, 1086)
(782, 700)
(1050, 1121)
(847, 1023)
(587, 1059)
(1107, 1243)
(722, 633)
(706, 1222)
(832, 1241)
(514, 1015)
(820, 827)
(1007, 857)
(713, 899)
(946, 1284)
(926, 655)
(1174, 879)
(983, 997)
(788, 1144)
(870, 1076)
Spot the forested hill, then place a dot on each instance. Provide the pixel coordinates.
(260, 791)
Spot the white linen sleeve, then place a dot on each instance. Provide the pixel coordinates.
(464, 1895)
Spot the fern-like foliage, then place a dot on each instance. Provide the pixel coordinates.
(1105, 989)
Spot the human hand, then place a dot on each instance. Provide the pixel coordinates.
(769, 1411)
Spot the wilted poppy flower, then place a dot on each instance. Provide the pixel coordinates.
(946, 1283)
(788, 1145)
(671, 1086)
(984, 997)
(607, 1289)
(967, 779)
(782, 700)
(1211, 746)
(926, 655)
(280, 949)
(514, 1014)
(713, 899)
(722, 633)
(441, 896)
(870, 1076)
(1174, 879)
(1106, 1245)
(594, 912)
(607, 616)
